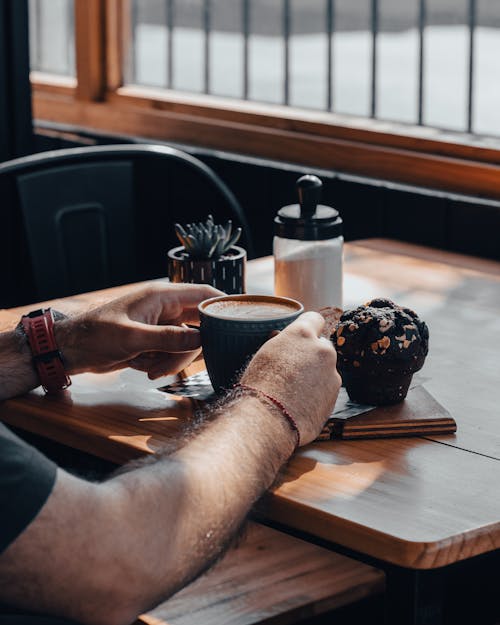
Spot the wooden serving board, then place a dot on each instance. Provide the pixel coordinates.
(419, 414)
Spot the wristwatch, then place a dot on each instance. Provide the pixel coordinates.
(38, 326)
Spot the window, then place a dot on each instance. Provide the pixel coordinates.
(397, 89)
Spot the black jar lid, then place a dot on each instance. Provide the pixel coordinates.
(308, 220)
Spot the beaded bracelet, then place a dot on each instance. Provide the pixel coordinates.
(291, 421)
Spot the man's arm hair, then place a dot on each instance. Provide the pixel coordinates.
(17, 374)
(104, 553)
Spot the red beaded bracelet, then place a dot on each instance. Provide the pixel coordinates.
(291, 421)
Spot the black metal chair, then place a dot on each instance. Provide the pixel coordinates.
(86, 218)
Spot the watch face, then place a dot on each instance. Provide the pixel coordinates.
(58, 316)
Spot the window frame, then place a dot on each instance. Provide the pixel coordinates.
(97, 100)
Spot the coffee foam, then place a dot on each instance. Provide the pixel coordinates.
(248, 310)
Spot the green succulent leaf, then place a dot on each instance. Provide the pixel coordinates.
(208, 239)
(234, 239)
(213, 249)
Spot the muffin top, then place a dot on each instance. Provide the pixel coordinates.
(381, 333)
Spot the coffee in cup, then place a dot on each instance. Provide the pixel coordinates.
(249, 310)
(233, 327)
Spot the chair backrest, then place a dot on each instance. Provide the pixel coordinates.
(94, 217)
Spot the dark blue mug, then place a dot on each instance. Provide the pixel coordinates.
(233, 327)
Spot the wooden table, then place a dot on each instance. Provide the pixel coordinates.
(417, 507)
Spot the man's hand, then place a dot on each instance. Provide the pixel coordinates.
(145, 330)
(298, 368)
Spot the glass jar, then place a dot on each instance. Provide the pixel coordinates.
(308, 249)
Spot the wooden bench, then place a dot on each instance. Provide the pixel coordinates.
(269, 578)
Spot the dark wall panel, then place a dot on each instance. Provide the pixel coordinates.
(15, 137)
(415, 217)
(360, 204)
(252, 186)
(15, 96)
(369, 208)
(474, 227)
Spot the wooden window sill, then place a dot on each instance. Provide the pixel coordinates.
(419, 156)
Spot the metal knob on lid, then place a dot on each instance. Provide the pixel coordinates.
(308, 220)
(309, 188)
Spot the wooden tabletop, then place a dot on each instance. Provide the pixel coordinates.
(421, 502)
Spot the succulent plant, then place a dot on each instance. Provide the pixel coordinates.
(207, 240)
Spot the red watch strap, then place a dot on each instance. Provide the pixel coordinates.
(39, 329)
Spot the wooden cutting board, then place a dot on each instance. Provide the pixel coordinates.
(419, 414)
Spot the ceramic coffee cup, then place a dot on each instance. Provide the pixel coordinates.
(233, 327)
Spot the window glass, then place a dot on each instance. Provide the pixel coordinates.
(398, 61)
(446, 64)
(227, 49)
(486, 84)
(266, 51)
(147, 62)
(52, 36)
(188, 46)
(352, 45)
(308, 54)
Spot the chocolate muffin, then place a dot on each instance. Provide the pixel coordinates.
(380, 346)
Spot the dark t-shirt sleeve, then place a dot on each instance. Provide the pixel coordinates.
(26, 481)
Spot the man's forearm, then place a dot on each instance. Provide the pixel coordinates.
(17, 374)
(134, 540)
(196, 507)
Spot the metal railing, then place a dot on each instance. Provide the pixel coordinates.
(287, 10)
